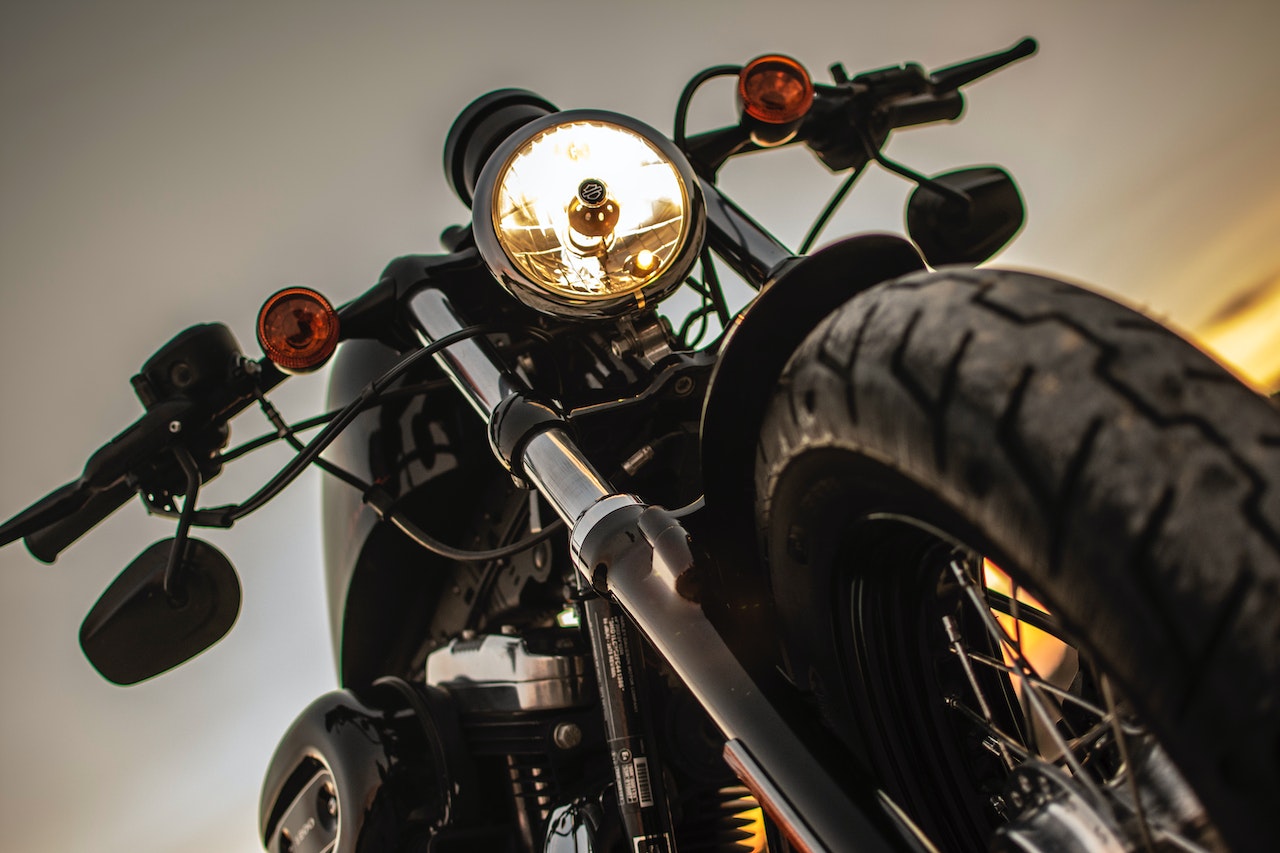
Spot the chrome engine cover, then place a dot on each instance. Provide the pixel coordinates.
(495, 672)
(357, 767)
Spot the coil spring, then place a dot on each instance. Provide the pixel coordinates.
(721, 820)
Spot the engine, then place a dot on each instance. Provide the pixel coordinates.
(500, 749)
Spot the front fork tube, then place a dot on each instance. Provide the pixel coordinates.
(637, 768)
(639, 557)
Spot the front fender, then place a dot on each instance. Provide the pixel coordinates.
(759, 343)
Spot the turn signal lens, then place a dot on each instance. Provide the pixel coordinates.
(775, 89)
(298, 329)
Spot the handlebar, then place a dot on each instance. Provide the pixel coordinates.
(64, 515)
(851, 118)
(47, 542)
(200, 377)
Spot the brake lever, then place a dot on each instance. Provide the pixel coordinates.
(953, 77)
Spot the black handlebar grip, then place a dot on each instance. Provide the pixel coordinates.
(924, 109)
(46, 543)
(47, 510)
(64, 515)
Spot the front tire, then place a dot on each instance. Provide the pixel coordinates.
(1116, 473)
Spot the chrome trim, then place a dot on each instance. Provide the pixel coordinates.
(517, 282)
(499, 673)
(302, 825)
(592, 516)
(473, 370)
(572, 828)
(551, 460)
(747, 769)
(553, 463)
(1053, 814)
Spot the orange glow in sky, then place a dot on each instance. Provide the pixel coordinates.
(1246, 335)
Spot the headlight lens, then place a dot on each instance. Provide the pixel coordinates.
(589, 215)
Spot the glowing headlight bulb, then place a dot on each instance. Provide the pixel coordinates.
(592, 213)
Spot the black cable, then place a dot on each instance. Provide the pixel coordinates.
(268, 438)
(825, 217)
(320, 420)
(173, 588)
(697, 287)
(700, 314)
(225, 516)
(375, 497)
(285, 432)
(686, 96)
(712, 279)
(426, 540)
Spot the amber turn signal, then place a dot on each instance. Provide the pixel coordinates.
(775, 89)
(297, 329)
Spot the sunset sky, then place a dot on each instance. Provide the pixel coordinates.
(164, 164)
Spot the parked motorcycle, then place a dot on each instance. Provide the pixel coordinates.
(905, 555)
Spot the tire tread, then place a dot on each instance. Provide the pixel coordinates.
(1069, 381)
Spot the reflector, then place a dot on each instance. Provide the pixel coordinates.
(297, 329)
(775, 89)
(588, 214)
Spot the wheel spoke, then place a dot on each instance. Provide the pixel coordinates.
(1024, 670)
(1007, 744)
(1127, 762)
(1034, 699)
(1047, 686)
(1033, 616)
(957, 646)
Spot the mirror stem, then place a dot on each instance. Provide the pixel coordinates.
(177, 554)
(965, 204)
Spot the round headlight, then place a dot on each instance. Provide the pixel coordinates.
(588, 214)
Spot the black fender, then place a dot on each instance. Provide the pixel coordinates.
(756, 348)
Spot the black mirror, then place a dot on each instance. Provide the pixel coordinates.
(137, 630)
(949, 231)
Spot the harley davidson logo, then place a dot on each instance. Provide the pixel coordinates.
(592, 192)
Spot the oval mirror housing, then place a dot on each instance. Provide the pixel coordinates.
(137, 631)
(950, 232)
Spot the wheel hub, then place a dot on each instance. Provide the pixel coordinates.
(1050, 814)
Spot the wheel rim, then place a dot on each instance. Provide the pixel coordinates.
(979, 745)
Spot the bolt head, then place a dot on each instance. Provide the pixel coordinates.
(567, 735)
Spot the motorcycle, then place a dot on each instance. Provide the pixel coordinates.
(909, 555)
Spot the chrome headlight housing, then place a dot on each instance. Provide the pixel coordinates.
(588, 214)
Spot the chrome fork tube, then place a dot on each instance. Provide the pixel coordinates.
(473, 370)
(642, 575)
(552, 462)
